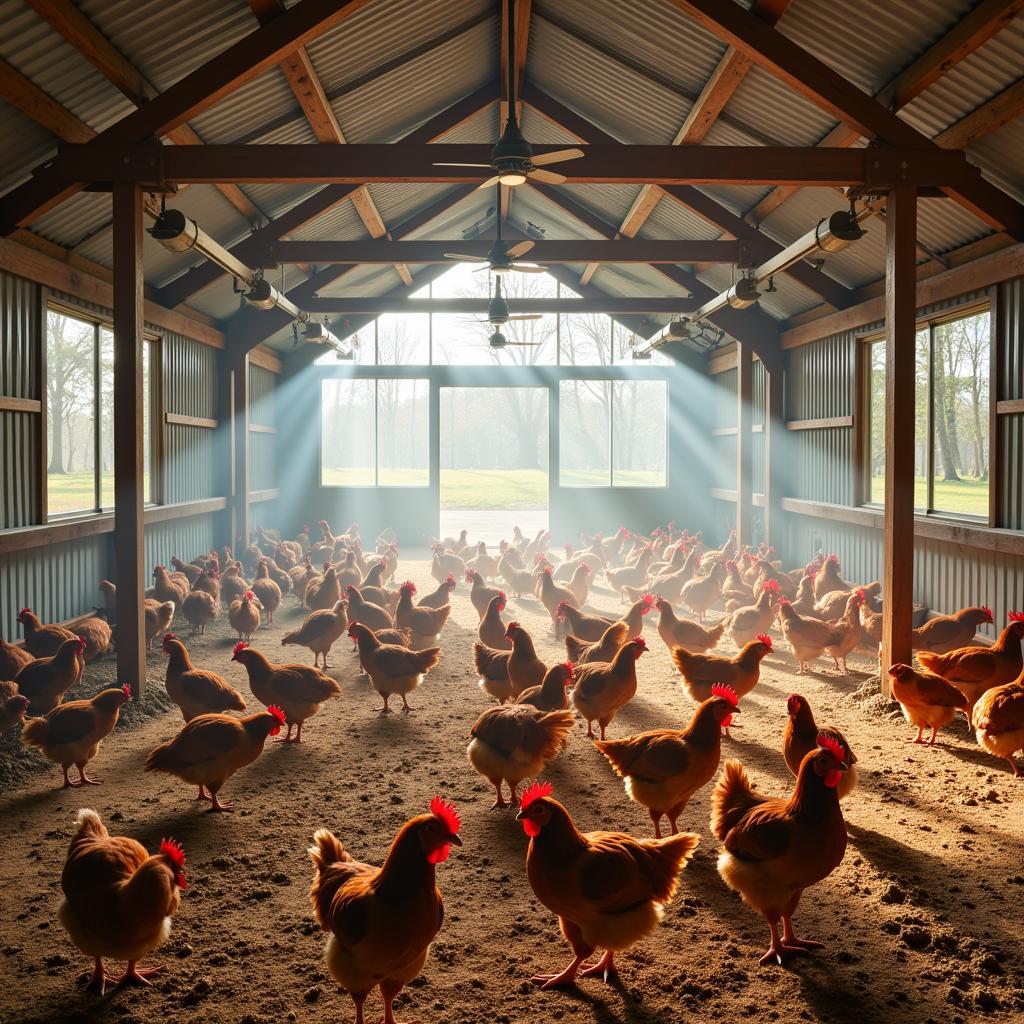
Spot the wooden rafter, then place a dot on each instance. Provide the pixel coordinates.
(86, 38)
(249, 327)
(752, 327)
(858, 113)
(695, 200)
(199, 90)
(322, 201)
(305, 84)
(717, 91)
(41, 107)
(989, 117)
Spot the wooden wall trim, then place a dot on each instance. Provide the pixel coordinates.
(724, 432)
(980, 273)
(52, 273)
(27, 537)
(822, 424)
(20, 405)
(1010, 407)
(177, 419)
(262, 357)
(723, 494)
(271, 494)
(1007, 542)
(261, 428)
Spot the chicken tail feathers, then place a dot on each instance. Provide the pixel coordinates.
(715, 633)
(574, 647)
(328, 857)
(667, 859)
(932, 661)
(159, 759)
(617, 753)
(732, 798)
(294, 637)
(35, 732)
(89, 823)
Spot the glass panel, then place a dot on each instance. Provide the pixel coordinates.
(71, 413)
(403, 425)
(639, 433)
(960, 415)
(584, 432)
(348, 449)
(403, 339)
(876, 422)
(107, 419)
(586, 338)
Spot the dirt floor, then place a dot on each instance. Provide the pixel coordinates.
(922, 917)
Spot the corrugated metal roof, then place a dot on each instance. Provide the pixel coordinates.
(671, 219)
(776, 110)
(74, 219)
(870, 41)
(481, 127)
(34, 145)
(610, 202)
(1001, 155)
(340, 222)
(397, 201)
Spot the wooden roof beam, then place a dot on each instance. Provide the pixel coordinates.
(199, 90)
(717, 92)
(858, 114)
(41, 107)
(305, 84)
(704, 205)
(989, 117)
(182, 288)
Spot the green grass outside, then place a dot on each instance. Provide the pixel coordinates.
(958, 497)
(490, 488)
(75, 492)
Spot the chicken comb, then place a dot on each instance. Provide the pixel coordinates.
(469, 575)
(549, 569)
(447, 813)
(863, 596)
(240, 646)
(765, 639)
(834, 558)
(726, 692)
(772, 586)
(830, 742)
(1016, 616)
(988, 611)
(408, 585)
(249, 596)
(450, 580)
(510, 627)
(648, 599)
(278, 714)
(641, 641)
(785, 602)
(560, 610)
(535, 791)
(167, 637)
(24, 611)
(569, 667)
(127, 691)
(501, 598)
(174, 852)
(537, 559)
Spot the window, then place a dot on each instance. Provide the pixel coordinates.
(80, 415)
(374, 433)
(613, 433)
(951, 402)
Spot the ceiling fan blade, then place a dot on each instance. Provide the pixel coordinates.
(548, 177)
(557, 157)
(527, 316)
(465, 258)
(529, 268)
(488, 183)
(460, 165)
(525, 344)
(486, 266)
(519, 249)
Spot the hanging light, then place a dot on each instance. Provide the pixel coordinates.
(743, 293)
(261, 294)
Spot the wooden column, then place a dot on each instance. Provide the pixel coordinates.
(128, 448)
(239, 369)
(900, 310)
(774, 465)
(744, 446)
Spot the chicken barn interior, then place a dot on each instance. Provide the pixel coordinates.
(589, 434)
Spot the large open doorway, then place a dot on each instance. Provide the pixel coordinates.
(494, 461)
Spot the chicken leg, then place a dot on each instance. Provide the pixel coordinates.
(581, 951)
(605, 966)
(388, 990)
(99, 978)
(135, 975)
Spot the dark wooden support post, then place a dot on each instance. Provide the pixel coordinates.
(774, 465)
(900, 312)
(744, 448)
(238, 367)
(128, 448)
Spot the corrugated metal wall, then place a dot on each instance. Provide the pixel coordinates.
(19, 378)
(60, 581)
(820, 382)
(190, 389)
(262, 446)
(1011, 428)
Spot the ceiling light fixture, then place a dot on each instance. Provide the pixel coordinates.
(743, 293)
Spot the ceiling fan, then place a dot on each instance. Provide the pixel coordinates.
(499, 341)
(512, 158)
(498, 314)
(499, 259)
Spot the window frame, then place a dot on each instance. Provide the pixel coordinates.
(612, 382)
(862, 444)
(100, 322)
(375, 379)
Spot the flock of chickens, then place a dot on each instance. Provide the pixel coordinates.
(608, 889)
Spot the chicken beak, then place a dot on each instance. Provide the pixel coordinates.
(454, 838)
(735, 711)
(843, 766)
(519, 816)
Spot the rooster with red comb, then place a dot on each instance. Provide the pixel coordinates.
(608, 889)
(777, 848)
(382, 920)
